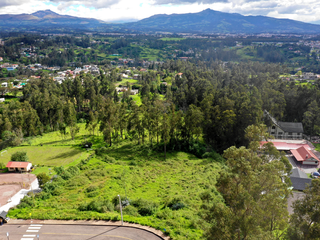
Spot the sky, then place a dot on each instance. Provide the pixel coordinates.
(129, 10)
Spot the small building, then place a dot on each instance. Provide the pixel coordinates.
(284, 130)
(136, 76)
(299, 179)
(305, 156)
(19, 166)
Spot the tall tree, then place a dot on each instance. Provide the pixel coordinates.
(305, 221)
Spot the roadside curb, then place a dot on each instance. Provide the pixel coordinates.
(90, 223)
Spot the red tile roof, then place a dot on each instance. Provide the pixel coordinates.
(17, 164)
(286, 146)
(302, 154)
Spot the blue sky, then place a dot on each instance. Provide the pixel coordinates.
(116, 10)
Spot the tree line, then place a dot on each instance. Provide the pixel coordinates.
(209, 103)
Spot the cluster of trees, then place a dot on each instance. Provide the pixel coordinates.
(213, 100)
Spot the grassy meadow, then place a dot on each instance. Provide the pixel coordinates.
(164, 194)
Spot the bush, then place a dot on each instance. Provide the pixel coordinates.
(145, 207)
(166, 213)
(78, 181)
(26, 202)
(101, 151)
(108, 159)
(67, 173)
(131, 210)
(43, 178)
(19, 156)
(91, 189)
(97, 206)
(2, 166)
(176, 204)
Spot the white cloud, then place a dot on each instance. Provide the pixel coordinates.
(114, 10)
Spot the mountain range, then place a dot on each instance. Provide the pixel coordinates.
(210, 21)
(207, 21)
(46, 18)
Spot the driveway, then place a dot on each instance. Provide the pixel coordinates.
(304, 168)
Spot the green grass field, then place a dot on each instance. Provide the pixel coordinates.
(137, 99)
(47, 155)
(125, 80)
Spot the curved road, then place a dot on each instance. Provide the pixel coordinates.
(74, 232)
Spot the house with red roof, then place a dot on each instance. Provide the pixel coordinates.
(305, 156)
(19, 166)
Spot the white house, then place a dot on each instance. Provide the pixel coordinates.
(19, 166)
(284, 130)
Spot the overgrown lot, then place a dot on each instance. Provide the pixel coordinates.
(162, 194)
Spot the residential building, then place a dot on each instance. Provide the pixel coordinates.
(284, 130)
(19, 166)
(305, 156)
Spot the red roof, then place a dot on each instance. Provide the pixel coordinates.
(302, 154)
(17, 164)
(286, 146)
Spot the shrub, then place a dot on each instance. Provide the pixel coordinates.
(67, 173)
(101, 151)
(93, 194)
(131, 210)
(145, 207)
(176, 204)
(97, 206)
(19, 156)
(108, 159)
(91, 188)
(26, 202)
(166, 213)
(2, 166)
(43, 178)
(78, 181)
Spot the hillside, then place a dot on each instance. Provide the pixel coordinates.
(162, 194)
(46, 18)
(210, 21)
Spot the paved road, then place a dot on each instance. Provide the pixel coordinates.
(73, 232)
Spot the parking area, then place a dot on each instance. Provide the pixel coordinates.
(11, 183)
(304, 168)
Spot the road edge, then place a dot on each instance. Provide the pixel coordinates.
(90, 222)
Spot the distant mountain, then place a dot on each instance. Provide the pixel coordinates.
(210, 21)
(207, 21)
(46, 18)
(315, 22)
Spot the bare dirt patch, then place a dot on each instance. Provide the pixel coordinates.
(11, 183)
